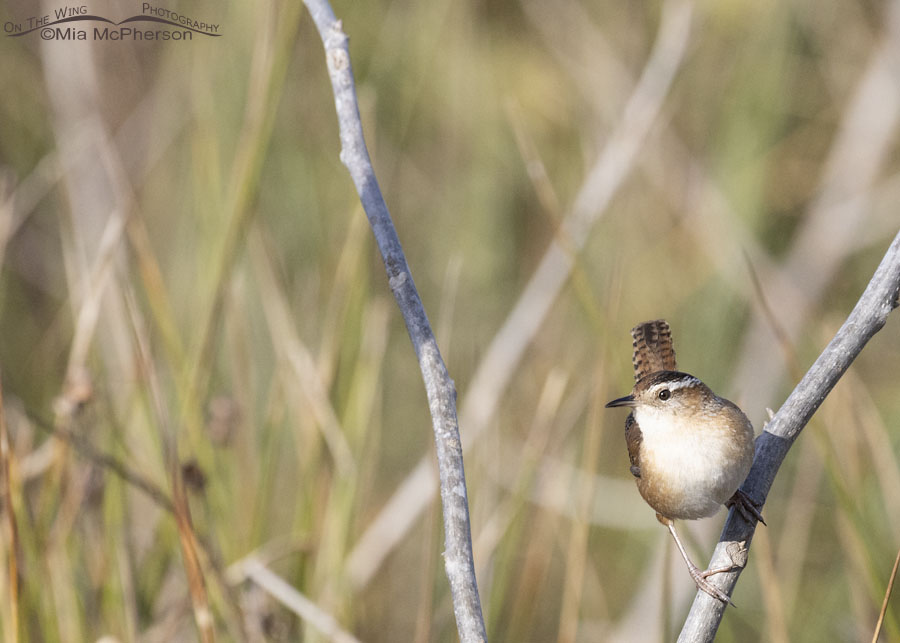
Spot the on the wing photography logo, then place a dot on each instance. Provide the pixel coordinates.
(74, 23)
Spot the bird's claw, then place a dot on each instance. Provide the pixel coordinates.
(706, 586)
(748, 507)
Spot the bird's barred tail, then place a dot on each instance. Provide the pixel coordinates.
(653, 350)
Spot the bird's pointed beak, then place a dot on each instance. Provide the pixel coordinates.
(628, 400)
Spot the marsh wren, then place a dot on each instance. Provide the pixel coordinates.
(689, 449)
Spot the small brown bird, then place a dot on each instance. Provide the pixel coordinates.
(689, 449)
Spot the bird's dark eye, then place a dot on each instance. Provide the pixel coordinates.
(665, 394)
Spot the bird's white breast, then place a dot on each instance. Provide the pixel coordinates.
(698, 462)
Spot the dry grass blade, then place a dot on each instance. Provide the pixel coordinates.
(195, 542)
(525, 470)
(887, 597)
(577, 558)
(270, 60)
(196, 583)
(299, 358)
(11, 624)
(773, 596)
(186, 536)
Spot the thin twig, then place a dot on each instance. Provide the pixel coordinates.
(887, 598)
(867, 318)
(439, 387)
(254, 569)
(778, 330)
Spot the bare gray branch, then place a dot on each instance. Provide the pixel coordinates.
(867, 318)
(439, 387)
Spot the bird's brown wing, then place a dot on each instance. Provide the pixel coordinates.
(633, 439)
(653, 350)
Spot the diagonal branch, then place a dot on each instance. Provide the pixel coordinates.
(867, 318)
(439, 387)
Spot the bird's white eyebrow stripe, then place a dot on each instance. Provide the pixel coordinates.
(674, 385)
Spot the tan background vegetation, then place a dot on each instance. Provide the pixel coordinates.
(185, 262)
